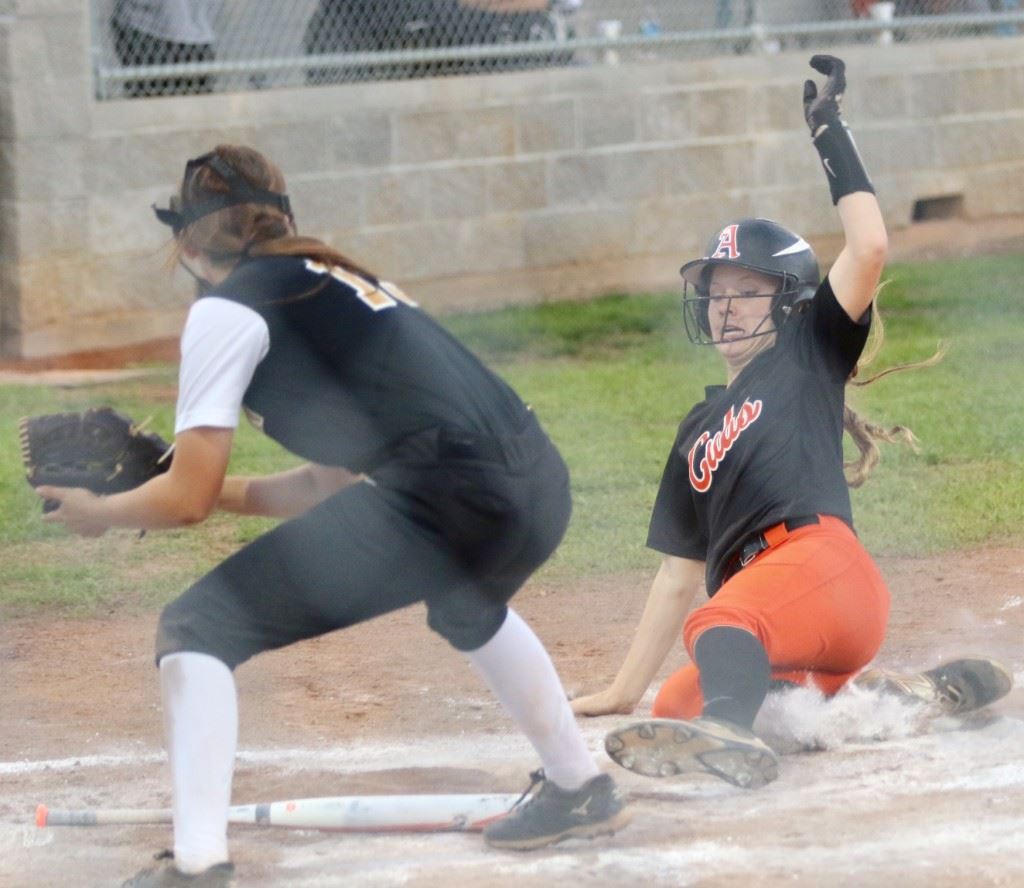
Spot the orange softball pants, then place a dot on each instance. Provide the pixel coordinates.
(815, 600)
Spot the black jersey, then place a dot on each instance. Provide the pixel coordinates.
(767, 448)
(353, 368)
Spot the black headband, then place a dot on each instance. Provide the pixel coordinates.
(239, 192)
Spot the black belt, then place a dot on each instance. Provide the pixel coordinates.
(765, 539)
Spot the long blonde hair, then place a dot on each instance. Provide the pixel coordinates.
(248, 229)
(863, 432)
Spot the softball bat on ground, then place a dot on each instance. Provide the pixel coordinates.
(384, 813)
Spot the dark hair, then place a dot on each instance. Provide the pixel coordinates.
(249, 229)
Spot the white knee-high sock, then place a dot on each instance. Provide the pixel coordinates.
(201, 732)
(521, 675)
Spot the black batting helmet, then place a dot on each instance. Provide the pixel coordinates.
(760, 245)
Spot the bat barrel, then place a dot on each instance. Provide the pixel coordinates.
(387, 813)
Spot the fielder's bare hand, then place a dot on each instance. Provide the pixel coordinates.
(79, 510)
(601, 703)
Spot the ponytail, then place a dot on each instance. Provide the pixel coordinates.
(865, 433)
(245, 230)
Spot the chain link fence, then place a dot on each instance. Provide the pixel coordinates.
(173, 47)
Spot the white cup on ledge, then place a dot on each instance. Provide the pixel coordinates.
(610, 29)
(883, 11)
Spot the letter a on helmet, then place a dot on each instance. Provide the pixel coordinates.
(759, 245)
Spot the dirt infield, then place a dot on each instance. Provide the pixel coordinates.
(888, 798)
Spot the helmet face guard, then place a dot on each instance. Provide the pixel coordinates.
(697, 304)
(758, 245)
(178, 218)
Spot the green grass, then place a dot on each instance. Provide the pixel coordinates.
(610, 380)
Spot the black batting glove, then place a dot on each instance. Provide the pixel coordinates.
(823, 108)
(830, 134)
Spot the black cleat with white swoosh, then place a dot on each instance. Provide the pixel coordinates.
(552, 814)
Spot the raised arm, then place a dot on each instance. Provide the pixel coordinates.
(661, 623)
(855, 274)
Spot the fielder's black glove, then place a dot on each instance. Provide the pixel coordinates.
(98, 449)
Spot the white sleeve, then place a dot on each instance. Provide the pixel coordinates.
(221, 345)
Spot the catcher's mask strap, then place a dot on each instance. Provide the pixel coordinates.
(239, 191)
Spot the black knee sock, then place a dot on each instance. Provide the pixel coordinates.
(734, 674)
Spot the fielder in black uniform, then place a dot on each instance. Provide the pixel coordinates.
(428, 480)
(754, 500)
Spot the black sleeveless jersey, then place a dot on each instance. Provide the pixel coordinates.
(353, 367)
(767, 448)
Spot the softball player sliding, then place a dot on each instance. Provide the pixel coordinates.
(428, 480)
(754, 499)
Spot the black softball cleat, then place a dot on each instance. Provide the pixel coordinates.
(552, 814)
(669, 747)
(954, 688)
(166, 875)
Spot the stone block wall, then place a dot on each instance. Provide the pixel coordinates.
(470, 192)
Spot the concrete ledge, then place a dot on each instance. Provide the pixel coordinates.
(478, 191)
